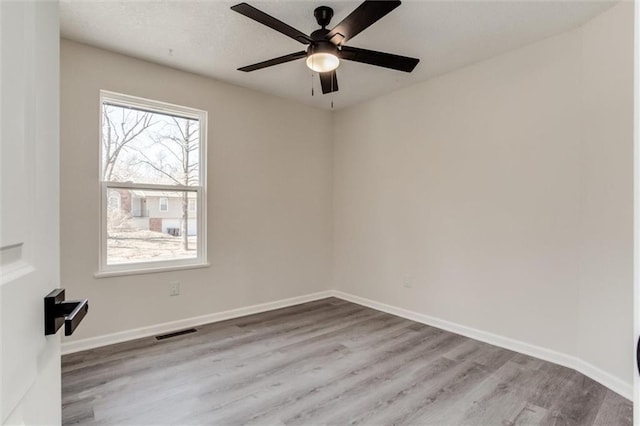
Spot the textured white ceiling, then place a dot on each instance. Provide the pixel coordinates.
(207, 38)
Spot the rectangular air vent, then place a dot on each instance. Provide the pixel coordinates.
(176, 333)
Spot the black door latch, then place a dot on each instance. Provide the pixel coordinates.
(57, 311)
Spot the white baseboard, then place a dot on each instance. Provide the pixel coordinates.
(614, 383)
(137, 333)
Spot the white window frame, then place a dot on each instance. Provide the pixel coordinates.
(105, 270)
(160, 209)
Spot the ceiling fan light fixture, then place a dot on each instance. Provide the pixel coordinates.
(323, 61)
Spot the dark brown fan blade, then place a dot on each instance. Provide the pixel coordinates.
(329, 82)
(364, 16)
(271, 22)
(381, 59)
(275, 61)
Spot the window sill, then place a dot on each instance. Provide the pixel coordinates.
(153, 270)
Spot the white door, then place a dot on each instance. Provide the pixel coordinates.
(29, 218)
(636, 225)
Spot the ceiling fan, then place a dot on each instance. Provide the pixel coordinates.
(326, 47)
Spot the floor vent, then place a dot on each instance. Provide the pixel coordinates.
(177, 333)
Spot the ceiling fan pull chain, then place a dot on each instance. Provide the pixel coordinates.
(332, 92)
(312, 92)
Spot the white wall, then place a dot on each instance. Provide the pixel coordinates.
(502, 193)
(269, 195)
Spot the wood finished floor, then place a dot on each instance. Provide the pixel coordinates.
(327, 362)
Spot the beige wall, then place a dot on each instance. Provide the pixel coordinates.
(605, 310)
(269, 195)
(502, 193)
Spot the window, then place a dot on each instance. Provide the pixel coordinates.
(164, 204)
(114, 201)
(153, 164)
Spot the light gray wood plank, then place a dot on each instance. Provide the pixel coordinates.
(326, 362)
(357, 371)
(614, 410)
(578, 403)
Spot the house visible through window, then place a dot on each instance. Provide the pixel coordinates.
(152, 178)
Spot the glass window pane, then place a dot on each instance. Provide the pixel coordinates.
(149, 147)
(144, 229)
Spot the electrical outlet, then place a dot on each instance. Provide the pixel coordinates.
(174, 288)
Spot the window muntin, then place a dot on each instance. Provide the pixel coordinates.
(150, 150)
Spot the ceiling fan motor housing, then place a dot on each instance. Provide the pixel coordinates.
(323, 15)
